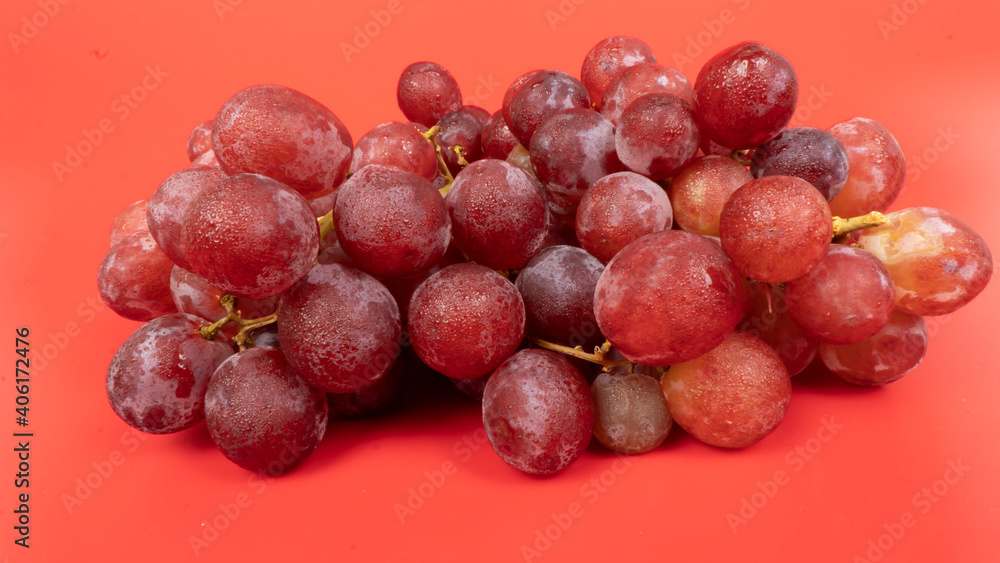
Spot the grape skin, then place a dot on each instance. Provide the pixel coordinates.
(618, 209)
(396, 144)
(240, 408)
(631, 414)
(657, 135)
(200, 140)
(639, 80)
(250, 235)
(497, 140)
(165, 213)
(538, 412)
(804, 152)
(283, 134)
(892, 352)
(465, 320)
(339, 328)
(134, 279)
(542, 95)
(157, 379)
(700, 190)
(426, 91)
(668, 297)
(937, 262)
(607, 60)
(770, 321)
(876, 167)
(129, 221)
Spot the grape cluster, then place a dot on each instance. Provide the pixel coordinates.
(604, 257)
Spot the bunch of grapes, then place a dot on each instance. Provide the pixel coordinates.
(602, 257)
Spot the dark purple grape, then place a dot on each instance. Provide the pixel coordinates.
(657, 136)
(157, 379)
(261, 414)
(745, 95)
(460, 129)
(538, 412)
(668, 297)
(776, 228)
(250, 235)
(426, 92)
(392, 223)
(339, 328)
(134, 279)
(608, 59)
(285, 135)
(804, 152)
(396, 144)
(557, 286)
(570, 151)
(465, 320)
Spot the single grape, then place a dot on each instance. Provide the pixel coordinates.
(460, 129)
(465, 320)
(206, 160)
(776, 228)
(642, 79)
(129, 221)
(538, 412)
(700, 190)
(876, 167)
(497, 140)
(846, 298)
(426, 92)
(541, 96)
(261, 414)
(157, 380)
(768, 319)
(668, 297)
(134, 279)
(498, 214)
(396, 144)
(200, 140)
(570, 151)
(165, 213)
(283, 134)
(804, 152)
(250, 235)
(631, 415)
(745, 95)
(618, 209)
(937, 262)
(731, 397)
(508, 96)
(892, 352)
(657, 136)
(557, 286)
(339, 328)
(392, 223)
(608, 59)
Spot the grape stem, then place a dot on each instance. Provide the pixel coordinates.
(598, 357)
(325, 224)
(742, 156)
(431, 136)
(242, 338)
(842, 226)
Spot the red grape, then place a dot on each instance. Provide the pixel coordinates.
(157, 380)
(285, 135)
(876, 167)
(200, 140)
(134, 279)
(463, 129)
(426, 92)
(657, 136)
(538, 412)
(263, 416)
(882, 358)
(165, 213)
(618, 209)
(396, 144)
(497, 139)
(606, 61)
(544, 94)
(129, 221)
(700, 190)
(465, 320)
(642, 79)
(769, 320)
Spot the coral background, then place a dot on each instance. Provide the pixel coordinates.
(905, 473)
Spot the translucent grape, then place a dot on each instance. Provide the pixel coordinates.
(700, 190)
